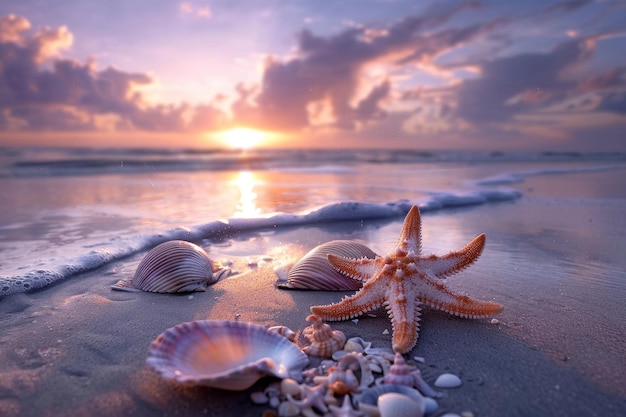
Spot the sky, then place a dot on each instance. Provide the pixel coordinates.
(492, 75)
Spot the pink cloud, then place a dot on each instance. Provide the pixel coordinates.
(69, 95)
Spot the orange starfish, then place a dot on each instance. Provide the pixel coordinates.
(405, 280)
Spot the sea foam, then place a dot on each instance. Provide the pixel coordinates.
(118, 248)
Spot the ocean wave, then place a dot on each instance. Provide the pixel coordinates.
(31, 162)
(117, 248)
(519, 177)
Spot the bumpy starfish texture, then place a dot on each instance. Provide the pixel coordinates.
(405, 280)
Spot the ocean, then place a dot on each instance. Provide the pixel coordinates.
(64, 212)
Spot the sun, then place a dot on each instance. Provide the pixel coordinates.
(242, 137)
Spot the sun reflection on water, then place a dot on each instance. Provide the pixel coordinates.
(247, 201)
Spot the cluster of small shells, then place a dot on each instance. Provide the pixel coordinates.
(353, 379)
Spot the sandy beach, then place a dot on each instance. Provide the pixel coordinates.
(80, 350)
(259, 131)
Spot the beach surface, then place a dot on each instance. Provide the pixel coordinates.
(557, 349)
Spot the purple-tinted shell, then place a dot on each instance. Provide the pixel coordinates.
(171, 267)
(314, 272)
(371, 395)
(224, 354)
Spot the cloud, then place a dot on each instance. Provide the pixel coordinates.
(436, 75)
(512, 85)
(68, 95)
(329, 74)
(188, 8)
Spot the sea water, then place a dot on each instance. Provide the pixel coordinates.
(67, 211)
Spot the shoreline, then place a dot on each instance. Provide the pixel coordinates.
(80, 349)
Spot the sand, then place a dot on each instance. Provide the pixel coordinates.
(79, 349)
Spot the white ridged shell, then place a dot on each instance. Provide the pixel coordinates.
(224, 354)
(313, 272)
(171, 267)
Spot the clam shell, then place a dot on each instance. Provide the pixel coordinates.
(171, 267)
(371, 395)
(393, 404)
(448, 381)
(225, 354)
(313, 272)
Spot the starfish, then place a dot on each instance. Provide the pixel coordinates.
(404, 281)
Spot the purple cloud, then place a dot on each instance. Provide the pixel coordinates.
(329, 69)
(69, 95)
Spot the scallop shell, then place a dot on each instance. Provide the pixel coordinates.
(173, 266)
(225, 354)
(313, 272)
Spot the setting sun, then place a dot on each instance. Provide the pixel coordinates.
(242, 138)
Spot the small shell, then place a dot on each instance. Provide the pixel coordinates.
(357, 362)
(448, 381)
(171, 267)
(319, 339)
(259, 398)
(339, 381)
(393, 404)
(313, 272)
(284, 331)
(401, 373)
(371, 395)
(224, 354)
(288, 409)
(290, 386)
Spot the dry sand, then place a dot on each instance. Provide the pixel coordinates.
(79, 349)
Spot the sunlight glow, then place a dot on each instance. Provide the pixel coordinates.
(247, 201)
(242, 137)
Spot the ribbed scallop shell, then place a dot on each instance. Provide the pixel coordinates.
(224, 354)
(173, 266)
(313, 272)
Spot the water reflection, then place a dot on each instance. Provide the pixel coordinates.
(247, 201)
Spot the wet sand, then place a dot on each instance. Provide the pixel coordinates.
(79, 349)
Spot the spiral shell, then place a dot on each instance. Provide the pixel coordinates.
(401, 373)
(319, 339)
(313, 272)
(173, 266)
(225, 354)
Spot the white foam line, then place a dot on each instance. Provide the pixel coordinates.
(519, 177)
(117, 248)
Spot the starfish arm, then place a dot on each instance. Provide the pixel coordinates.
(441, 298)
(410, 239)
(367, 299)
(443, 266)
(359, 269)
(404, 312)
